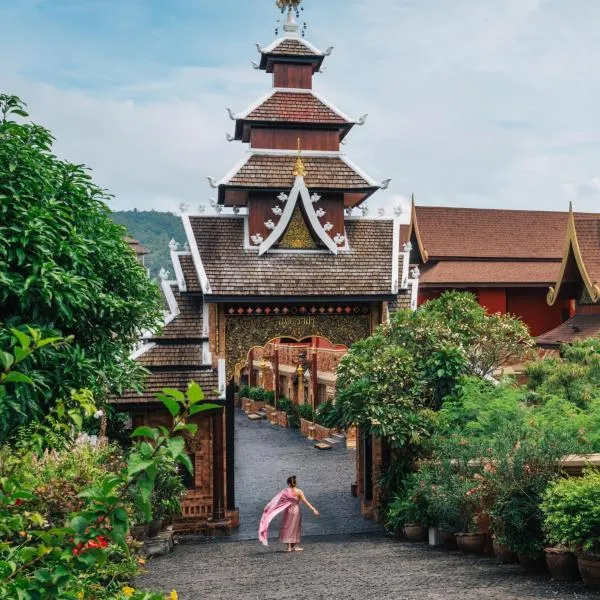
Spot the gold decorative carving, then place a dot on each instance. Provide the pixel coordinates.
(243, 333)
(297, 235)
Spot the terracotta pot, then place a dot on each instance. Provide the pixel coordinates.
(504, 554)
(415, 532)
(589, 567)
(562, 564)
(154, 528)
(472, 543)
(532, 564)
(449, 540)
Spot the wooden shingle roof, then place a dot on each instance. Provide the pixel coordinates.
(364, 271)
(273, 171)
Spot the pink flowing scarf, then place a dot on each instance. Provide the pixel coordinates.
(283, 500)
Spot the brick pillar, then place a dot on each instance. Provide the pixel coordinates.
(276, 374)
(218, 468)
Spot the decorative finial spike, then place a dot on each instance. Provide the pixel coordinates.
(299, 169)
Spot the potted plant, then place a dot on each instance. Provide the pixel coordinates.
(408, 512)
(572, 522)
(167, 495)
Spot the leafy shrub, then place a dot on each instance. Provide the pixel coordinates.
(168, 491)
(245, 391)
(286, 405)
(269, 398)
(305, 411)
(571, 510)
(325, 415)
(257, 394)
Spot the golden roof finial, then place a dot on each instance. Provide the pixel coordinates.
(299, 169)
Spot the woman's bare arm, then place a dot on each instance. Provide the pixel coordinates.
(307, 503)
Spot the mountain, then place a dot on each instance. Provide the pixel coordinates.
(154, 230)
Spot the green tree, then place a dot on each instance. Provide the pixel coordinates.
(65, 269)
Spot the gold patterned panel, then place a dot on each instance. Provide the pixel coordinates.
(243, 333)
(297, 235)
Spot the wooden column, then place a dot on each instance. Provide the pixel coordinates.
(230, 446)
(276, 374)
(218, 468)
(251, 381)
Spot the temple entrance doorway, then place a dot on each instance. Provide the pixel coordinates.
(289, 379)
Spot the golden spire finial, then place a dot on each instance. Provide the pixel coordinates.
(299, 169)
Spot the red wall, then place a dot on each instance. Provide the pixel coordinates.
(527, 303)
(492, 299)
(531, 305)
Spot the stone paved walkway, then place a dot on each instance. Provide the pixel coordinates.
(267, 455)
(346, 557)
(359, 567)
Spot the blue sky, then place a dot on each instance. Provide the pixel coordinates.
(471, 102)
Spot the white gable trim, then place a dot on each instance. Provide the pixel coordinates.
(305, 153)
(314, 220)
(222, 373)
(405, 269)
(334, 108)
(284, 220)
(191, 238)
(395, 255)
(181, 283)
(167, 288)
(301, 190)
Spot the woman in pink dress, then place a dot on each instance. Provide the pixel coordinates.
(286, 502)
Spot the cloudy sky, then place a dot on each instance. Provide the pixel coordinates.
(485, 103)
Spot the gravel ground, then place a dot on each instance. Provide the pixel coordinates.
(346, 557)
(345, 567)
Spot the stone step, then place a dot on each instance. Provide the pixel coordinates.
(339, 436)
(255, 417)
(333, 441)
(323, 446)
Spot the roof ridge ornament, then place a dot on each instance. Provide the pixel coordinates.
(299, 168)
(293, 8)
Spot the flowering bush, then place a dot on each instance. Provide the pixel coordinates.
(70, 554)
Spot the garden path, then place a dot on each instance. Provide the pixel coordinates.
(346, 557)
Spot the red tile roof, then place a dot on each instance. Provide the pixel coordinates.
(577, 328)
(268, 171)
(295, 107)
(588, 238)
(138, 248)
(469, 272)
(489, 233)
(366, 270)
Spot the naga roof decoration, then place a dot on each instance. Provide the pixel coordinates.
(581, 257)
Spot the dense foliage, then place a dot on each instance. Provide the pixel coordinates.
(571, 510)
(390, 383)
(63, 511)
(66, 270)
(154, 230)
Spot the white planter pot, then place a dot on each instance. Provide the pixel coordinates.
(435, 537)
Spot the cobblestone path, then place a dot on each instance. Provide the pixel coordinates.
(267, 455)
(346, 557)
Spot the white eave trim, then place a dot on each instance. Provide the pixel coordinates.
(234, 171)
(269, 49)
(255, 105)
(191, 238)
(360, 172)
(141, 350)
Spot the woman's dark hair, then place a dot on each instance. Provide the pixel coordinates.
(292, 481)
